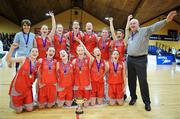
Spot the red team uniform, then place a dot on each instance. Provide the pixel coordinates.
(97, 78)
(115, 80)
(48, 82)
(21, 86)
(65, 82)
(59, 44)
(104, 47)
(82, 75)
(42, 46)
(120, 47)
(73, 43)
(90, 42)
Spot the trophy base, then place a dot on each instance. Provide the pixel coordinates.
(79, 112)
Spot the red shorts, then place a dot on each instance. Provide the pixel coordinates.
(47, 94)
(115, 91)
(97, 90)
(66, 94)
(83, 94)
(22, 100)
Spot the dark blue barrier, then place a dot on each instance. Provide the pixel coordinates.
(152, 50)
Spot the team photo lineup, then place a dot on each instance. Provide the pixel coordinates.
(55, 67)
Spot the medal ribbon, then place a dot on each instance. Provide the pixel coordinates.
(31, 67)
(44, 42)
(26, 39)
(98, 65)
(80, 64)
(115, 65)
(60, 38)
(50, 63)
(103, 43)
(65, 67)
(132, 35)
(116, 43)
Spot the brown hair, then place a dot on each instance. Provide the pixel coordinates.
(26, 21)
(121, 30)
(75, 21)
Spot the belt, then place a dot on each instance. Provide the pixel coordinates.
(137, 56)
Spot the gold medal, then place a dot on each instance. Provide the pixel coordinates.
(30, 76)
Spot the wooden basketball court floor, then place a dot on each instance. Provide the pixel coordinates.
(164, 85)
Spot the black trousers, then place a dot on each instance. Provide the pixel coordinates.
(137, 67)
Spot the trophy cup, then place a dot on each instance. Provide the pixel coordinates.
(79, 109)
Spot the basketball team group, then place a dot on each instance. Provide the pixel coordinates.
(79, 64)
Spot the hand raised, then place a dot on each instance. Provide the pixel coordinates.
(51, 13)
(110, 19)
(171, 16)
(130, 17)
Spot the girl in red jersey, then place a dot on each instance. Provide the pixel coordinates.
(44, 41)
(104, 44)
(90, 38)
(65, 80)
(118, 42)
(47, 82)
(82, 64)
(59, 41)
(71, 36)
(98, 68)
(21, 86)
(116, 79)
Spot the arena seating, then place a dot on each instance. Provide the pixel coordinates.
(7, 40)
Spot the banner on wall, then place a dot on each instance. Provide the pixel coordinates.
(163, 37)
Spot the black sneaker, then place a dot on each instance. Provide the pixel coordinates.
(132, 102)
(148, 107)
